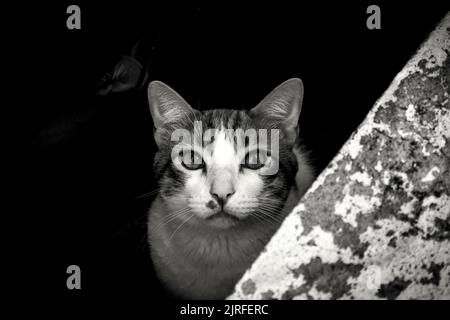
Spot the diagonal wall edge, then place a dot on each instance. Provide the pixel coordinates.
(376, 222)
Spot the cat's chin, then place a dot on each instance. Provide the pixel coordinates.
(222, 220)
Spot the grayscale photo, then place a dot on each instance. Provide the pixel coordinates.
(208, 161)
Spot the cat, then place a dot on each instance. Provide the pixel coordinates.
(214, 213)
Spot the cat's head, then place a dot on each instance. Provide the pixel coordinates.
(212, 170)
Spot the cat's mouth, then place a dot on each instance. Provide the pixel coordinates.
(223, 219)
(222, 214)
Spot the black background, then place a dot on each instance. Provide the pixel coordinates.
(79, 195)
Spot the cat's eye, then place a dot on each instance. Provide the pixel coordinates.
(191, 160)
(255, 160)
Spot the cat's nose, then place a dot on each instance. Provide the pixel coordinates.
(221, 196)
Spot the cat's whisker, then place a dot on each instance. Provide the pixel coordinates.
(179, 227)
(148, 194)
(268, 219)
(174, 215)
(263, 215)
(170, 217)
(267, 199)
(273, 215)
(143, 242)
(254, 215)
(261, 218)
(276, 210)
(271, 205)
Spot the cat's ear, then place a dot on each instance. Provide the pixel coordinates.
(281, 108)
(166, 106)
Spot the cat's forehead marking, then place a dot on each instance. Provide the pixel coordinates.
(223, 151)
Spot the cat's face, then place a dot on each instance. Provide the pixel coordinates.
(224, 176)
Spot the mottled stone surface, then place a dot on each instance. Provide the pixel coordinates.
(376, 222)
